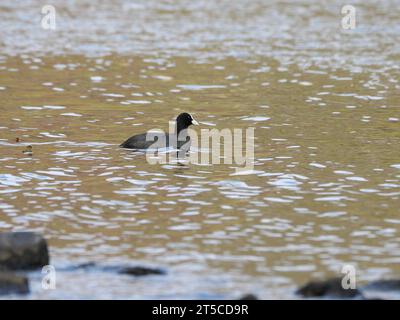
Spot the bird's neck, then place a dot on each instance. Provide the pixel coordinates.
(179, 128)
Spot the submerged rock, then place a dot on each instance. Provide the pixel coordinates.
(86, 265)
(22, 251)
(331, 288)
(141, 271)
(388, 289)
(129, 270)
(386, 285)
(248, 296)
(13, 284)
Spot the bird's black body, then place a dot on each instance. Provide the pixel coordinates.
(153, 141)
(158, 140)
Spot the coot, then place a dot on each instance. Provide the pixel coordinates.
(157, 140)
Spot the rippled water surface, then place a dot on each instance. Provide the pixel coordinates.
(324, 102)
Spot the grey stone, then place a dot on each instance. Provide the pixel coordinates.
(141, 271)
(11, 283)
(248, 296)
(386, 289)
(331, 288)
(384, 285)
(22, 251)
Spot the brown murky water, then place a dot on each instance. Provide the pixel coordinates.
(325, 189)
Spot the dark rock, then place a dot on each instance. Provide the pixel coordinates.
(141, 271)
(384, 285)
(22, 251)
(129, 270)
(13, 284)
(327, 288)
(382, 290)
(249, 296)
(75, 267)
(86, 265)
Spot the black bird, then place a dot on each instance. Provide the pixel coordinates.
(158, 140)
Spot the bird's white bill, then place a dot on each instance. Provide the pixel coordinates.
(194, 122)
